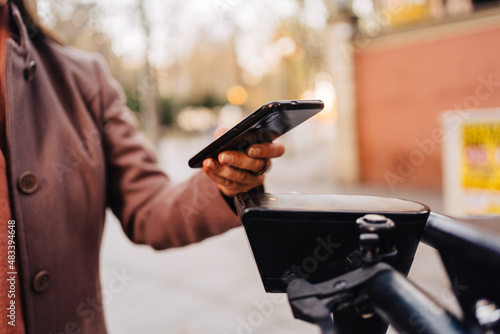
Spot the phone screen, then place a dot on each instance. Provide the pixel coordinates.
(263, 126)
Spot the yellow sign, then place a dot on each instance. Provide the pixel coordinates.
(481, 167)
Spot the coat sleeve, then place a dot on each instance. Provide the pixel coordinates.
(152, 209)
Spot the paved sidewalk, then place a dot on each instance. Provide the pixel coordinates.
(214, 286)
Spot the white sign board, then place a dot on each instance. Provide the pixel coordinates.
(471, 162)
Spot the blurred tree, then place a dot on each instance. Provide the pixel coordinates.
(166, 112)
(211, 101)
(148, 81)
(133, 101)
(78, 24)
(199, 52)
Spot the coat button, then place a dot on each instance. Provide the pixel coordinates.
(41, 282)
(28, 182)
(29, 71)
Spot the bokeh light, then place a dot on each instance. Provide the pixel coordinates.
(237, 95)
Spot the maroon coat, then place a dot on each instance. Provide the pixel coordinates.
(73, 150)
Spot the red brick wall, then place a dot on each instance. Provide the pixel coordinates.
(402, 88)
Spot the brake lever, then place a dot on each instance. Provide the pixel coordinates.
(315, 303)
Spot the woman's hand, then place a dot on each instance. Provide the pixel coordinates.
(236, 172)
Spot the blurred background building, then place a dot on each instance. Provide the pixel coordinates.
(386, 70)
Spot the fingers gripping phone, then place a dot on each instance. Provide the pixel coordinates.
(262, 126)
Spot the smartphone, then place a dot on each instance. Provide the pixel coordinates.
(262, 126)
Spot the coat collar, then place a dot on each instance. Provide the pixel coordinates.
(21, 36)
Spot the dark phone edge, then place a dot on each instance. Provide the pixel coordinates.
(197, 160)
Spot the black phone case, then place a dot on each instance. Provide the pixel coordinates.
(262, 126)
